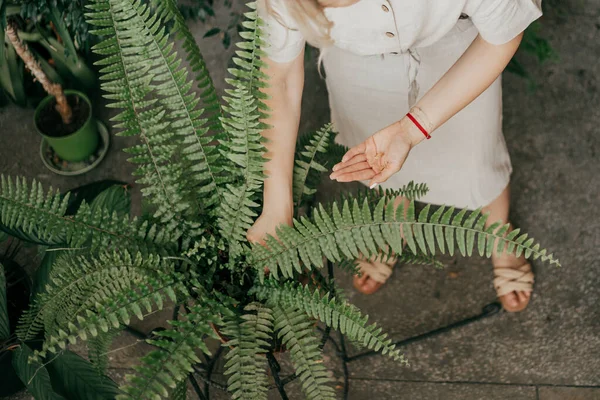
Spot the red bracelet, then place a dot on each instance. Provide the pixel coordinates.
(418, 125)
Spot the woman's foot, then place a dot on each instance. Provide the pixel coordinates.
(513, 281)
(373, 274)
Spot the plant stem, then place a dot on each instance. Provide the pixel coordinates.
(53, 89)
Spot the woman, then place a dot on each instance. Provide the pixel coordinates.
(398, 72)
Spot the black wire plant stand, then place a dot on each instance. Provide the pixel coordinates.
(205, 370)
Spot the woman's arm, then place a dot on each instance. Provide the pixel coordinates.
(286, 82)
(384, 153)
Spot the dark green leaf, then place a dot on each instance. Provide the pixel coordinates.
(78, 379)
(4, 325)
(92, 190)
(212, 32)
(56, 17)
(42, 274)
(33, 374)
(116, 199)
(180, 392)
(226, 40)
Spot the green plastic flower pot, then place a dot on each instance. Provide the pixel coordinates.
(76, 146)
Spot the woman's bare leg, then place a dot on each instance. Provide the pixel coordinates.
(498, 209)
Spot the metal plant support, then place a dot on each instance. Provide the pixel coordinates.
(204, 371)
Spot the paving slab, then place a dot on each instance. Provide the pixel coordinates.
(568, 393)
(390, 390)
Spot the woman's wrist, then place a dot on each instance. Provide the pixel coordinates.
(417, 130)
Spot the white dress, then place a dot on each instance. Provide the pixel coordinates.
(387, 54)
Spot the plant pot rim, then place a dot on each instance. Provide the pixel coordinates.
(49, 98)
(104, 147)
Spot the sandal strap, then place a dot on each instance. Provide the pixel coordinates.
(509, 279)
(376, 270)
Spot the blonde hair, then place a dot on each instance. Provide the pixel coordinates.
(310, 18)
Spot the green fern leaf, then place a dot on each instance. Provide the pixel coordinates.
(297, 334)
(333, 312)
(243, 113)
(169, 11)
(238, 210)
(26, 210)
(88, 296)
(338, 235)
(163, 369)
(134, 66)
(249, 339)
(179, 100)
(311, 162)
(180, 392)
(99, 347)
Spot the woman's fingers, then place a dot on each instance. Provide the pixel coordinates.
(357, 176)
(356, 159)
(356, 150)
(383, 175)
(352, 168)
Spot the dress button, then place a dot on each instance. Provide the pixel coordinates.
(389, 34)
(385, 8)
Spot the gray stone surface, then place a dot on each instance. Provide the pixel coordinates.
(568, 393)
(390, 390)
(552, 134)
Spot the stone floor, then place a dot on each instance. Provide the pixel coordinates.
(551, 351)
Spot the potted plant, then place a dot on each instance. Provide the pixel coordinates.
(201, 167)
(68, 376)
(55, 35)
(65, 117)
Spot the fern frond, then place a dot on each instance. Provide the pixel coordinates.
(249, 336)
(27, 210)
(131, 66)
(297, 334)
(410, 191)
(79, 286)
(238, 210)
(169, 12)
(163, 369)
(115, 311)
(249, 73)
(333, 312)
(244, 148)
(99, 347)
(311, 162)
(175, 93)
(180, 392)
(362, 229)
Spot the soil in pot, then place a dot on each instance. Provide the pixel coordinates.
(50, 123)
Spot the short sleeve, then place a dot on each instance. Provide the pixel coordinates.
(285, 41)
(500, 21)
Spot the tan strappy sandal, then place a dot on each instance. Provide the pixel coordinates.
(511, 279)
(373, 274)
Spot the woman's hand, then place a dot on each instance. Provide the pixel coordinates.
(268, 222)
(380, 156)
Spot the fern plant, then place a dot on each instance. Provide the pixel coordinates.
(200, 162)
